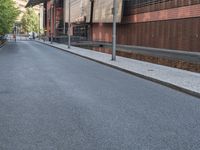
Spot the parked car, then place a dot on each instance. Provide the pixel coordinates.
(32, 35)
(3, 37)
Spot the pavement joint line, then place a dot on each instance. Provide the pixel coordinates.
(167, 84)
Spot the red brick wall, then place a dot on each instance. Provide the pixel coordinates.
(102, 32)
(176, 28)
(180, 34)
(167, 14)
(156, 6)
(57, 16)
(48, 27)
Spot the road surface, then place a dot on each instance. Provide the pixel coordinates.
(53, 100)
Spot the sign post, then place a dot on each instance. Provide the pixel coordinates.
(52, 2)
(114, 11)
(51, 24)
(69, 26)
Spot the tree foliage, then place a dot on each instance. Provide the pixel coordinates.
(8, 15)
(30, 21)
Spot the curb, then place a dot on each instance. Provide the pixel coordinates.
(170, 85)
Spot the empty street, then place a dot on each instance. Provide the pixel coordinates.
(54, 100)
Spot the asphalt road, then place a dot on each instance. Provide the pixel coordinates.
(53, 100)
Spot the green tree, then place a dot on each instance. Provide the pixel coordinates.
(8, 15)
(30, 21)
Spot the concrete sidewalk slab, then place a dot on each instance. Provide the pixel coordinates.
(185, 81)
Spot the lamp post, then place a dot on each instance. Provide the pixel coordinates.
(69, 26)
(114, 30)
(64, 3)
(39, 25)
(52, 2)
(15, 33)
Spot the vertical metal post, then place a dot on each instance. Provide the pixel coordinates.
(54, 18)
(69, 26)
(15, 33)
(44, 22)
(114, 30)
(64, 3)
(39, 26)
(51, 23)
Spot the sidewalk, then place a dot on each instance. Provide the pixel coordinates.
(185, 81)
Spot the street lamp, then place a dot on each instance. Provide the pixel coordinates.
(15, 33)
(69, 26)
(64, 3)
(51, 23)
(52, 2)
(39, 25)
(114, 30)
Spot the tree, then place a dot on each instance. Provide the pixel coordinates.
(8, 15)
(30, 21)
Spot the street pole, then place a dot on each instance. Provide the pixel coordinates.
(39, 26)
(15, 33)
(69, 26)
(52, 24)
(64, 3)
(114, 30)
(54, 18)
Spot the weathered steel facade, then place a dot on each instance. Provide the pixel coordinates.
(170, 24)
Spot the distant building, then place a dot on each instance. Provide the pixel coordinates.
(170, 24)
(21, 5)
(41, 18)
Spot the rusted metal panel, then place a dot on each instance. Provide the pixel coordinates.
(195, 35)
(103, 11)
(80, 11)
(131, 8)
(182, 34)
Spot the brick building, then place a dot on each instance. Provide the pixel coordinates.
(170, 24)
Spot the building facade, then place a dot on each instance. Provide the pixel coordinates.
(21, 5)
(169, 24)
